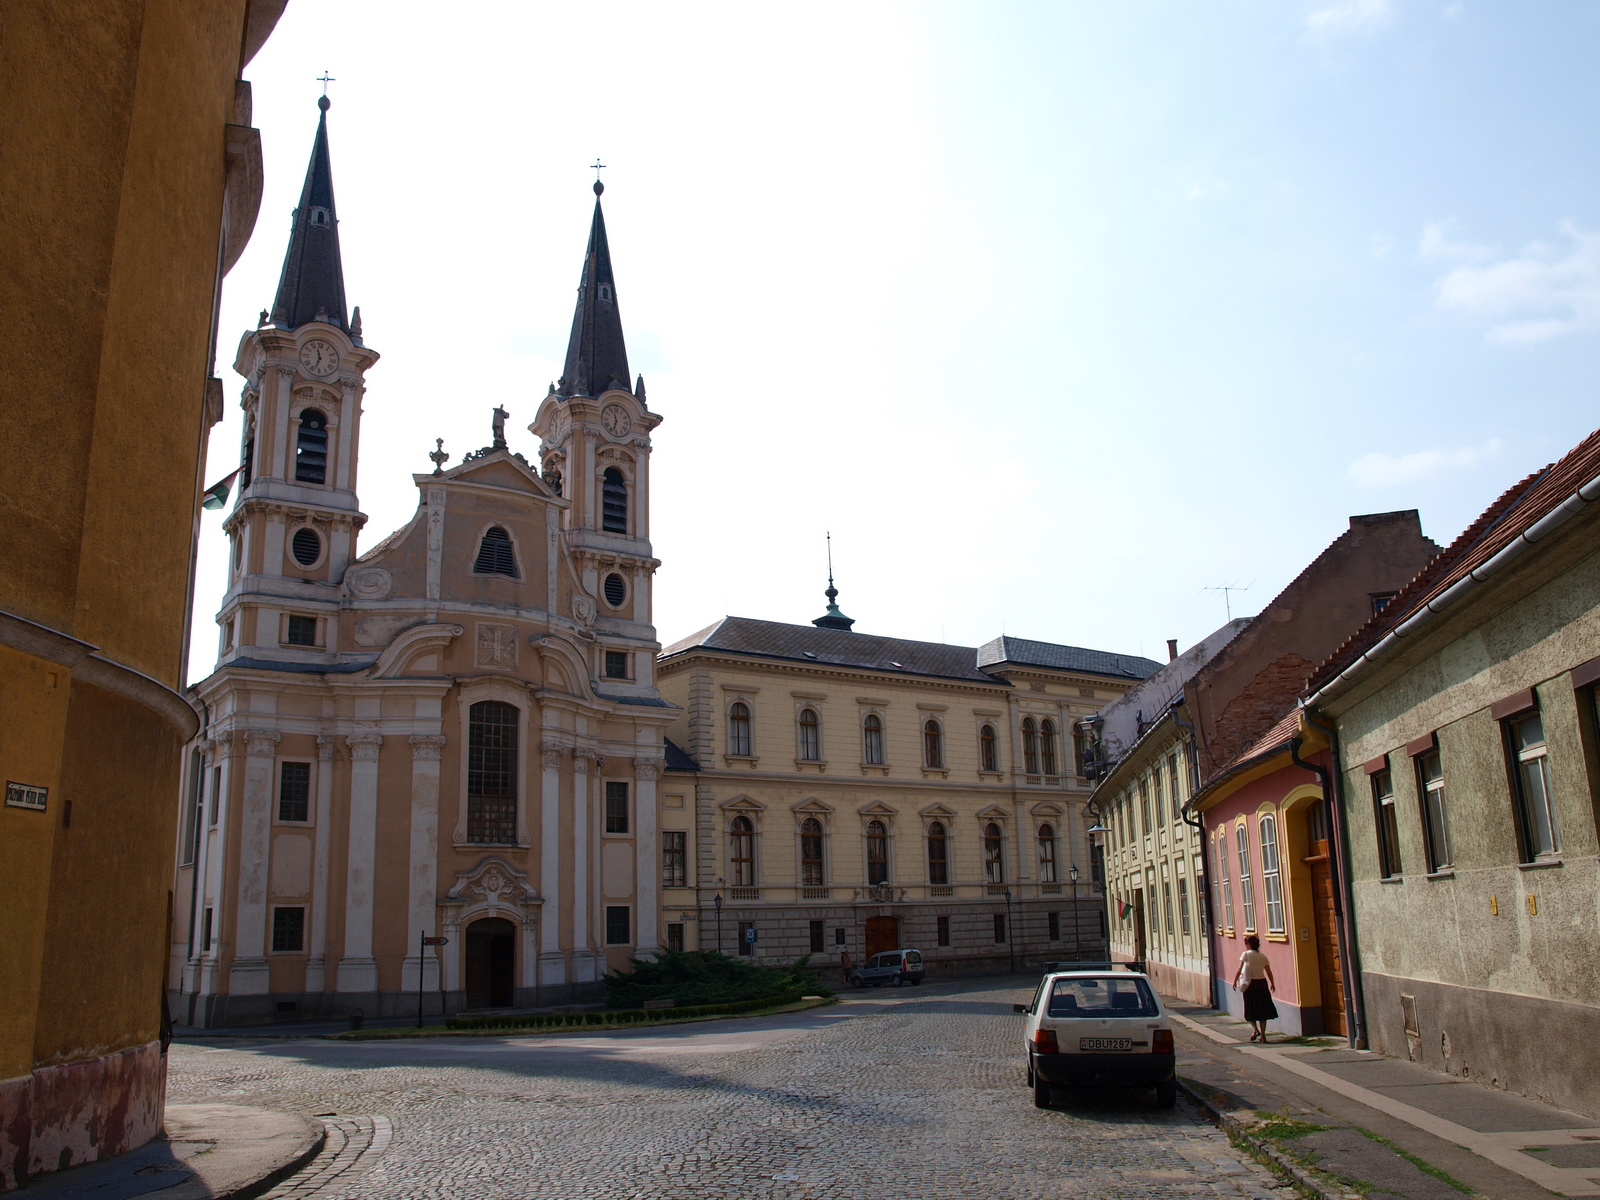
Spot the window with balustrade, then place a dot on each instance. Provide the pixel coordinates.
(811, 866)
(877, 853)
(741, 852)
(739, 729)
(938, 854)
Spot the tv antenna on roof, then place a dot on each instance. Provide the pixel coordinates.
(1227, 599)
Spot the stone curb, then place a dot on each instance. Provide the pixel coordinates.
(379, 1035)
(1306, 1183)
(314, 1143)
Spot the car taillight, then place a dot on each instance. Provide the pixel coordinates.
(1161, 1041)
(1045, 1042)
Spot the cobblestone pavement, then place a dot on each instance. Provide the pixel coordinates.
(916, 1093)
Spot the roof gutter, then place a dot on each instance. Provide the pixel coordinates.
(1538, 531)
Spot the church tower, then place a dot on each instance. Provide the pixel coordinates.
(595, 451)
(294, 528)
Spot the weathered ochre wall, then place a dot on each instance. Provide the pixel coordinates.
(114, 116)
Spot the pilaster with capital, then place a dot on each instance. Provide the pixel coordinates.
(317, 963)
(647, 876)
(585, 766)
(422, 887)
(358, 970)
(248, 973)
(552, 962)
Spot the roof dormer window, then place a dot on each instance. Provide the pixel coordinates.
(321, 216)
(605, 291)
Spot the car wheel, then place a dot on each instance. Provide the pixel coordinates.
(1167, 1094)
(895, 981)
(1041, 1091)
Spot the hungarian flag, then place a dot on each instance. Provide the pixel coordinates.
(1126, 909)
(217, 494)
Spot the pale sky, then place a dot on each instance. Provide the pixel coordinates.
(1056, 314)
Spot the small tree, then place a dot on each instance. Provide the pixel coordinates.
(705, 977)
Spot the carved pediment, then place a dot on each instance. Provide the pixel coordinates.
(993, 812)
(936, 810)
(812, 805)
(493, 882)
(746, 803)
(877, 809)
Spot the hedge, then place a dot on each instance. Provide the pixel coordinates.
(627, 1016)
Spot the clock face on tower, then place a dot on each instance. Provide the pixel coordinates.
(616, 421)
(319, 358)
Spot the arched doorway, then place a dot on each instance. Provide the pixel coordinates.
(491, 963)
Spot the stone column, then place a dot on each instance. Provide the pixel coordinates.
(647, 862)
(424, 878)
(584, 762)
(317, 964)
(248, 975)
(358, 970)
(552, 964)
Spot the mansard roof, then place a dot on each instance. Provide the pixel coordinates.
(865, 651)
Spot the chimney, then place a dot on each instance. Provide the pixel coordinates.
(1172, 649)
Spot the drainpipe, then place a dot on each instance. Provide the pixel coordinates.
(1343, 900)
(1205, 859)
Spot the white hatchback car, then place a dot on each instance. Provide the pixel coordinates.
(1090, 1028)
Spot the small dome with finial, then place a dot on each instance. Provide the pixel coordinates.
(324, 103)
(598, 187)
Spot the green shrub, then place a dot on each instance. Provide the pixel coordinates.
(697, 977)
(625, 1017)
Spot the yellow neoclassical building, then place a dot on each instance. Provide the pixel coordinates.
(831, 791)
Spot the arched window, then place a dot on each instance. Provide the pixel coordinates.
(492, 772)
(614, 502)
(932, 743)
(872, 739)
(1271, 878)
(938, 855)
(994, 851)
(1030, 746)
(1047, 853)
(741, 852)
(1247, 881)
(311, 450)
(877, 853)
(1225, 911)
(739, 729)
(1047, 745)
(988, 751)
(811, 853)
(495, 556)
(810, 735)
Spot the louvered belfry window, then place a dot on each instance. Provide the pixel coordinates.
(614, 502)
(311, 451)
(495, 556)
(492, 772)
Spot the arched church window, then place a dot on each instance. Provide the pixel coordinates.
(614, 502)
(311, 450)
(305, 545)
(495, 556)
(492, 772)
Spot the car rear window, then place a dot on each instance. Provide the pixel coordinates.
(891, 960)
(1111, 996)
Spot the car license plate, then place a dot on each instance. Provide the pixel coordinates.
(1105, 1043)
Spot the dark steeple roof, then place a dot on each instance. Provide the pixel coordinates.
(311, 287)
(833, 618)
(596, 356)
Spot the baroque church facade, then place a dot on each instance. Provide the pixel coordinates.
(456, 734)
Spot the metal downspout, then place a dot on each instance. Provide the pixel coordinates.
(1339, 853)
(1205, 858)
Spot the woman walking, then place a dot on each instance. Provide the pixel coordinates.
(1254, 978)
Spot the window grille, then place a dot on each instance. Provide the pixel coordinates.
(294, 791)
(675, 937)
(811, 869)
(288, 929)
(495, 555)
(619, 927)
(614, 502)
(311, 448)
(616, 664)
(302, 631)
(492, 772)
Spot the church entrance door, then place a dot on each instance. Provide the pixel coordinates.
(491, 963)
(883, 933)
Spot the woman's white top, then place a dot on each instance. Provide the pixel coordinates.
(1253, 965)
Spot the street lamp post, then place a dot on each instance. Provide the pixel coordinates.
(717, 900)
(1011, 934)
(1077, 934)
(1097, 863)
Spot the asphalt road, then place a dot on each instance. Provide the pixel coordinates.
(915, 1092)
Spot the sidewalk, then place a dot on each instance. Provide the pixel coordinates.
(210, 1152)
(1354, 1122)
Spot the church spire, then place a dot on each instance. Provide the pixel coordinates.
(833, 618)
(311, 287)
(597, 359)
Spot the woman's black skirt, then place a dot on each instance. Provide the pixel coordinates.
(1258, 1005)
